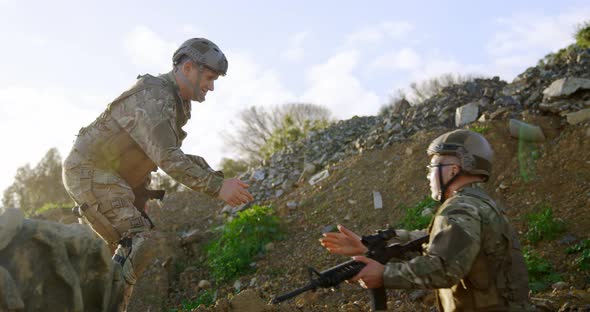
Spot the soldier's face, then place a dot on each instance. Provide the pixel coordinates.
(207, 82)
(448, 167)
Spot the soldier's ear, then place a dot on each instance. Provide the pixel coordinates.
(186, 67)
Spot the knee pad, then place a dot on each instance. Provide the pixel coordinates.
(143, 250)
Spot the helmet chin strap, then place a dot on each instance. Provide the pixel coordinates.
(444, 187)
(196, 88)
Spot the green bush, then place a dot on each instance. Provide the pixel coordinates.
(583, 35)
(557, 57)
(542, 225)
(206, 298)
(582, 261)
(413, 220)
(241, 240)
(541, 273)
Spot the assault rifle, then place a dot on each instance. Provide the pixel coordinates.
(378, 250)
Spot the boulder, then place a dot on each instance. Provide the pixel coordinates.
(565, 87)
(466, 114)
(524, 131)
(48, 266)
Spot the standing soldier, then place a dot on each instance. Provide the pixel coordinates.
(473, 258)
(141, 131)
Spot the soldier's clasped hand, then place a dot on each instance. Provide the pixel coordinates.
(235, 192)
(370, 276)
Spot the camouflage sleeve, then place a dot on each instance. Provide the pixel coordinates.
(453, 246)
(149, 117)
(403, 236)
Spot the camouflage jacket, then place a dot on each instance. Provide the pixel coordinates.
(473, 258)
(142, 129)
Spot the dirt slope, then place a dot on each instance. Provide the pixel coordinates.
(554, 173)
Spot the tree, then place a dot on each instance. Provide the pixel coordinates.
(394, 100)
(232, 167)
(582, 35)
(262, 131)
(34, 187)
(423, 90)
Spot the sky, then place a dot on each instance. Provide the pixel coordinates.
(62, 62)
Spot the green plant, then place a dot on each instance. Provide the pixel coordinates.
(206, 298)
(582, 261)
(543, 225)
(241, 240)
(414, 220)
(480, 129)
(541, 273)
(582, 35)
(558, 57)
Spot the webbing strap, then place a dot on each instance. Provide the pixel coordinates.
(86, 175)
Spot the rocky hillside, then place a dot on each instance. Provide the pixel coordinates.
(539, 126)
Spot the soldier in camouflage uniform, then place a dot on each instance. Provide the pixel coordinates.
(140, 131)
(473, 258)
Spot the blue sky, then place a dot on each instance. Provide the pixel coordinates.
(63, 61)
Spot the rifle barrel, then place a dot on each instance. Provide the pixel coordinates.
(294, 293)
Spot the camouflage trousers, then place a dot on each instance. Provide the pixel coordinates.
(109, 201)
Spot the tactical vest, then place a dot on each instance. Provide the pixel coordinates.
(498, 279)
(109, 146)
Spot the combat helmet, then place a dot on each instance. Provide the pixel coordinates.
(204, 52)
(472, 149)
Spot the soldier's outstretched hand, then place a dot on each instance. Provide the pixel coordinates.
(346, 242)
(235, 192)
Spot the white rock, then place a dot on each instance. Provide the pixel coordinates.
(377, 200)
(204, 284)
(578, 117)
(565, 86)
(466, 114)
(319, 177)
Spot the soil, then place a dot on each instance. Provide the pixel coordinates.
(527, 177)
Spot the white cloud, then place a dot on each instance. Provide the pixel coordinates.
(148, 50)
(295, 51)
(35, 120)
(524, 38)
(334, 85)
(378, 33)
(404, 59)
(193, 31)
(522, 32)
